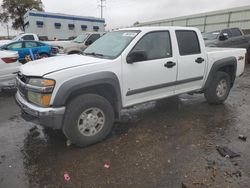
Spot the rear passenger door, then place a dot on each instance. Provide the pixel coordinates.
(191, 61)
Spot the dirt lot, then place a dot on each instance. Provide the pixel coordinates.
(169, 144)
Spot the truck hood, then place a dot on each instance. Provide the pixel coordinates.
(42, 67)
(211, 42)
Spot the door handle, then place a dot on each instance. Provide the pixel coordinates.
(170, 64)
(199, 60)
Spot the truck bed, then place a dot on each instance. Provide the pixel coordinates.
(215, 54)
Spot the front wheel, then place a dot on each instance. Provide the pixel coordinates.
(89, 119)
(219, 89)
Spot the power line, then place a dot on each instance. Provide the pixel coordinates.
(102, 6)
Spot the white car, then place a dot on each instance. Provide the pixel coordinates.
(9, 66)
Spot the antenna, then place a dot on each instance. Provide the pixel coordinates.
(102, 6)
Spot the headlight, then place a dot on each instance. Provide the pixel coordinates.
(40, 91)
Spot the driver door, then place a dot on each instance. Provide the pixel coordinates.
(153, 78)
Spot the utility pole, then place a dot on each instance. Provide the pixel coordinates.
(8, 31)
(102, 6)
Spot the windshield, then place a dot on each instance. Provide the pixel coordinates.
(81, 38)
(15, 38)
(211, 35)
(112, 44)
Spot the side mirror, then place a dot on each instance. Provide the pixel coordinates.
(89, 42)
(223, 37)
(137, 56)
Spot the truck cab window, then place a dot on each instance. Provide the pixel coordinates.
(236, 32)
(28, 37)
(156, 45)
(188, 42)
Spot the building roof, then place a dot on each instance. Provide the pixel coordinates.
(217, 12)
(63, 16)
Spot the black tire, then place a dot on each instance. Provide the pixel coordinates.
(43, 55)
(73, 112)
(211, 93)
(74, 52)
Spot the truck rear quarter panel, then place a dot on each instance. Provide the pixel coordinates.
(216, 54)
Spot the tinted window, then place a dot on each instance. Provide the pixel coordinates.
(226, 32)
(235, 32)
(30, 44)
(157, 45)
(40, 44)
(93, 37)
(15, 45)
(188, 42)
(28, 37)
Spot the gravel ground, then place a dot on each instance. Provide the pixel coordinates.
(169, 144)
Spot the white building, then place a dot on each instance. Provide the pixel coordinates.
(60, 26)
(209, 21)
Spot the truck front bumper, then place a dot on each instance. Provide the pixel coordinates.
(47, 117)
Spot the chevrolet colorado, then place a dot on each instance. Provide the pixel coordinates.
(83, 94)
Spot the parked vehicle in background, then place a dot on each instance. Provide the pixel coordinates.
(84, 94)
(21, 37)
(79, 44)
(43, 38)
(232, 37)
(9, 66)
(23, 48)
(72, 38)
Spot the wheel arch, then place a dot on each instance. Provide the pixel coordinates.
(228, 65)
(44, 52)
(105, 84)
(73, 51)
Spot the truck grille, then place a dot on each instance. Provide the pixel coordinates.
(21, 82)
(23, 78)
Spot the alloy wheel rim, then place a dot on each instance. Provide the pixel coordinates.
(221, 89)
(91, 121)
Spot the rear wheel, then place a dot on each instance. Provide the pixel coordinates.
(43, 55)
(89, 119)
(74, 52)
(219, 89)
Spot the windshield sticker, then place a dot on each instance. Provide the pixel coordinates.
(129, 34)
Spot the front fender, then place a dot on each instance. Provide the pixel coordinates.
(79, 83)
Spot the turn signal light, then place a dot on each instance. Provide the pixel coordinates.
(46, 100)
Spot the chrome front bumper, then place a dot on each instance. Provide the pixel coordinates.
(48, 117)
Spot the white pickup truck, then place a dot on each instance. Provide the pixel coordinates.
(84, 94)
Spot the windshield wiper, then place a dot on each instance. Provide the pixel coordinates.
(94, 54)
